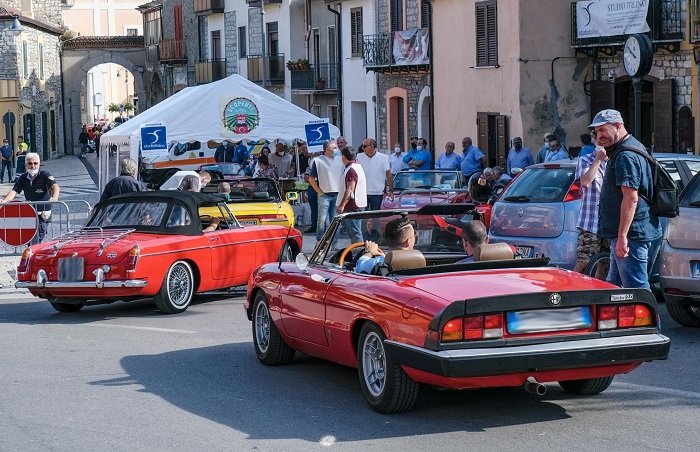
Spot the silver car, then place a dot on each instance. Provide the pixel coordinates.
(539, 210)
(680, 259)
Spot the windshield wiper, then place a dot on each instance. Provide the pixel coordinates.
(520, 198)
(694, 204)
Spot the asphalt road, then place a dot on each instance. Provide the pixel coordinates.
(123, 377)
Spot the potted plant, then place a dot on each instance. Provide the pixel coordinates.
(321, 83)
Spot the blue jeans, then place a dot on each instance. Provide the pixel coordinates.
(631, 271)
(21, 169)
(326, 211)
(374, 202)
(313, 203)
(83, 149)
(354, 228)
(6, 164)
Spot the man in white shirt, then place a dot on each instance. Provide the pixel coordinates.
(325, 177)
(396, 159)
(380, 181)
(353, 192)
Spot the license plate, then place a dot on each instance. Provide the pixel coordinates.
(523, 251)
(543, 320)
(249, 222)
(694, 269)
(70, 269)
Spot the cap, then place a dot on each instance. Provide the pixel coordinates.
(607, 117)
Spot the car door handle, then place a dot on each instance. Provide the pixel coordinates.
(213, 239)
(319, 278)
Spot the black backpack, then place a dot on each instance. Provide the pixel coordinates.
(663, 202)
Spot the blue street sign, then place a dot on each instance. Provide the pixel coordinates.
(153, 137)
(317, 133)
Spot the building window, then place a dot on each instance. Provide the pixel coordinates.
(397, 15)
(177, 15)
(25, 60)
(397, 125)
(216, 45)
(356, 32)
(41, 61)
(424, 14)
(132, 32)
(316, 110)
(152, 28)
(273, 40)
(486, 34)
(242, 43)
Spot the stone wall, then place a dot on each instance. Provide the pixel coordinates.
(48, 11)
(9, 57)
(231, 40)
(413, 84)
(189, 29)
(412, 14)
(254, 32)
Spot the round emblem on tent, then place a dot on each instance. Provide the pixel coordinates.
(241, 116)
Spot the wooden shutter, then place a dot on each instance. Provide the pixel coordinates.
(424, 14)
(663, 116)
(502, 139)
(396, 15)
(686, 129)
(356, 32)
(482, 127)
(177, 16)
(486, 34)
(602, 96)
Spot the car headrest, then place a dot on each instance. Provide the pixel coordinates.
(404, 259)
(261, 195)
(493, 252)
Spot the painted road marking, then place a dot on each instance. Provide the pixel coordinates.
(143, 328)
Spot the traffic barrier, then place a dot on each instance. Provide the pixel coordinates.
(19, 222)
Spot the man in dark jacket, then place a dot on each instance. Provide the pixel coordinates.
(124, 183)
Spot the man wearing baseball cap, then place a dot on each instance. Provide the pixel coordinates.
(625, 217)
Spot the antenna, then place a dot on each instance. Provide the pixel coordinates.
(279, 261)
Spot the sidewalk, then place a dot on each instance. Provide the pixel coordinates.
(75, 183)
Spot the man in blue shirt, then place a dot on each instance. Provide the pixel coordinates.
(587, 146)
(449, 160)
(420, 158)
(398, 234)
(625, 217)
(240, 154)
(472, 159)
(7, 153)
(555, 152)
(545, 147)
(518, 156)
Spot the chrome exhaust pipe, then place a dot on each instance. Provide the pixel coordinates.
(535, 387)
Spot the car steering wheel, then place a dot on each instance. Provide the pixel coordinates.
(341, 259)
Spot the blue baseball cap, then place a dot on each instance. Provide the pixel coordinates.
(607, 117)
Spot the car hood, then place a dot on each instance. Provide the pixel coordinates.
(682, 231)
(493, 283)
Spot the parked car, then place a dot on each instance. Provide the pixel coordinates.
(680, 259)
(538, 211)
(423, 318)
(151, 244)
(416, 188)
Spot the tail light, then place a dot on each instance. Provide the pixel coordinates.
(273, 218)
(24, 261)
(677, 292)
(574, 192)
(133, 258)
(624, 316)
(489, 326)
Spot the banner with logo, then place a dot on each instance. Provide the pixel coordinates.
(411, 47)
(596, 18)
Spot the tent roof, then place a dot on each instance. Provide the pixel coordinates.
(197, 114)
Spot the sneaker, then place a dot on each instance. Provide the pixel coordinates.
(310, 231)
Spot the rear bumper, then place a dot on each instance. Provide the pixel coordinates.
(129, 283)
(529, 358)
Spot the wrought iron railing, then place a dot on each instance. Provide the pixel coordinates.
(378, 50)
(317, 77)
(206, 71)
(275, 68)
(172, 50)
(694, 11)
(203, 7)
(664, 18)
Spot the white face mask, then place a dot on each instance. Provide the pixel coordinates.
(397, 149)
(420, 148)
(33, 172)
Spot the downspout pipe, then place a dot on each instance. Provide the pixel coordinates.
(432, 84)
(339, 62)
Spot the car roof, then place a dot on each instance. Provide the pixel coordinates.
(574, 161)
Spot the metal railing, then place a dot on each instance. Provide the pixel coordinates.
(318, 77)
(694, 12)
(62, 220)
(664, 18)
(275, 68)
(172, 50)
(378, 51)
(203, 7)
(206, 71)
(446, 195)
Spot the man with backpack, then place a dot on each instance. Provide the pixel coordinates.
(626, 216)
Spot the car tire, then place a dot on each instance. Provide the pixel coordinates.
(177, 290)
(588, 386)
(598, 266)
(387, 388)
(66, 307)
(286, 253)
(270, 348)
(684, 314)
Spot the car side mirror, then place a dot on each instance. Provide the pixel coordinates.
(302, 261)
(292, 196)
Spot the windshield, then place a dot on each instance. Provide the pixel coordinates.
(406, 180)
(540, 185)
(227, 169)
(691, 195)
(242, 190)
(129, 214)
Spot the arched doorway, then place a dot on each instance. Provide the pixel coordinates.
(425, 116)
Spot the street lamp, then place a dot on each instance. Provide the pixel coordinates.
(126, 83)
(16, 26)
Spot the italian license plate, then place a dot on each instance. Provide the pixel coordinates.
(543, 320)
(523, 251)
(694, 269)
(70, 269)
(249, 222)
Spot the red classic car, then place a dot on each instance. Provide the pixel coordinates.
(424, 317)
(413, 189)
(151, 244)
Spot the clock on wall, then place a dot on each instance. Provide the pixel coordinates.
(638, 55)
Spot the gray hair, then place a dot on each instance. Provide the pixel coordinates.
(129, 166)
(474, 233)
(327, 143)
(33, 155)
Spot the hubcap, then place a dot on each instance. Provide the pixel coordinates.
(374, 364)
(179, 286)
(262, 327)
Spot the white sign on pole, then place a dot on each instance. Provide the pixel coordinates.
(596, 18)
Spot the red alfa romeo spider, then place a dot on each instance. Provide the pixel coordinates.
(422, 316)
(151, 244)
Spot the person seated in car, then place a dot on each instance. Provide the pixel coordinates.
(480, 185)
(213, 224)
(398, 233)
(224, 189)
(147, 218)
(474, 234)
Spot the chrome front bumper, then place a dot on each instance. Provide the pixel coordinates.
(42, 282)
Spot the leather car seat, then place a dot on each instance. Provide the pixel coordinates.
(404, 259)
(493, 252)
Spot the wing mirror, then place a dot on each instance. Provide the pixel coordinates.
(292, 196)
(302, 261)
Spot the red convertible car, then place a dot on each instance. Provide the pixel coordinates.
(424, 317)
(151, 244)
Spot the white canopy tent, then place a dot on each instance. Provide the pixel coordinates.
(233, 108)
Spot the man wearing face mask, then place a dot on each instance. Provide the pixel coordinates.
(37, 185)
(224, 153)
(420, 158)
(542, 153)
(7, 156)
(325, 175)
(518, 156)
(396, 159)
(282, 161)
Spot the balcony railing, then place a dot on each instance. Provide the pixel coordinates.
(206, 71)
(204, 7)
(397, 52)
(255, 3)
(172, 50)
(319, 77)
(275, 68)
(694, 9)
(664, 18)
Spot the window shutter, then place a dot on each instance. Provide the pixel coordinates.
(424, 14)
(396, 15)
(503, 142)
(663, 116)
(356, 32)
(482, 126)
(486, 34)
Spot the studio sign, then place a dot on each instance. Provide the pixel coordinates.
(595, 18)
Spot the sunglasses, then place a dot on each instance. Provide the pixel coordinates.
(31, 163)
